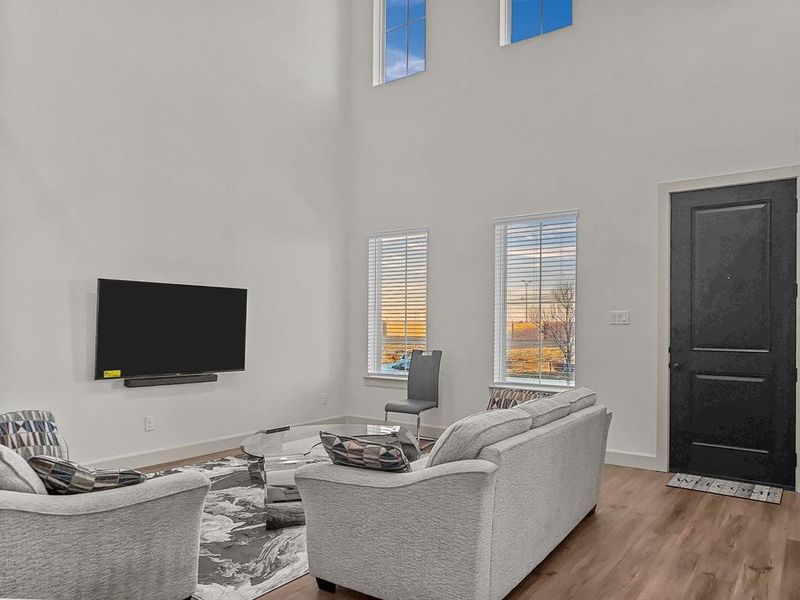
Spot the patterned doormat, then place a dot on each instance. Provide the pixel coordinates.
(239, 558)
(723, 487)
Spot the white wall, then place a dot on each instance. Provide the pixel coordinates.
(242, 143)
(193, 142)
(591, 117)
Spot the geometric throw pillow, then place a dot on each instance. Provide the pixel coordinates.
(32, 432)
(62, 476)
(365, 454)
(508, 397)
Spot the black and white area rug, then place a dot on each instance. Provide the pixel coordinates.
(723, 487)
(239, 558)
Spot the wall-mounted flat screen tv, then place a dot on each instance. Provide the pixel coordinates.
(157, 329)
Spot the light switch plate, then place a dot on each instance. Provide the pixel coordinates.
(620, 317)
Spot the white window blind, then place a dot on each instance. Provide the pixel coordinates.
(398, 300)
(535, 291)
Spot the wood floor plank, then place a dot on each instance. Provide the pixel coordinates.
(764, 548)
(719, 567)
(792, 502)
(790, 574)
(680, 572)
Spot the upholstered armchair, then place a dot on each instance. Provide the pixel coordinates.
(128, 543)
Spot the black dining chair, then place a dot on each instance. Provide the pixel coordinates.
(423, 386)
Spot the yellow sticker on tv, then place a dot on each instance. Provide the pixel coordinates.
(111, 374)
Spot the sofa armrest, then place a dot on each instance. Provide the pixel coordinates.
(100, 502)
(134, 542)
(424, 535)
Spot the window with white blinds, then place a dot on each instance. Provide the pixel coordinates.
(398, 300)
(535, 285)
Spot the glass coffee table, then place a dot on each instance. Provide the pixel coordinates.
(275, 454)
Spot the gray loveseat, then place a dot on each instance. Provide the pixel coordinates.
(498, 493)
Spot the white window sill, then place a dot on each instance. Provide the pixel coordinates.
(390, 381)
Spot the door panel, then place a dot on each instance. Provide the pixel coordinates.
(732, 332)
(732, 407)
(730, 277)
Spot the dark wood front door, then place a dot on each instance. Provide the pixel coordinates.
(732, 332)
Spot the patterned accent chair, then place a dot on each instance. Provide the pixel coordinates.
(508, 397)
(128, 543)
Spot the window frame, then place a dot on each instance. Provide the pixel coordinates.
(505, 24)
(500, 306)
(400, 376)
(379, 44)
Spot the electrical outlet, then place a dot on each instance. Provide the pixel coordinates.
(149, 423)
(620, 317)
(324, 398)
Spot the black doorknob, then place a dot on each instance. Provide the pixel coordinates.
(675, 365)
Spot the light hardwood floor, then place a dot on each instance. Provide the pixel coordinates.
(649, 541)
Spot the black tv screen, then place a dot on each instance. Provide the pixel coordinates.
(149, 329)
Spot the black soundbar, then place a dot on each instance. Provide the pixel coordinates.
(170, 380)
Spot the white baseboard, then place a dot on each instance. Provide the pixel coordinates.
(172, 453)
(158, 456)
(637, 460)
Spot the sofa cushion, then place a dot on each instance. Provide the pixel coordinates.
(466, 438)
(16, 475)
(61, 476)
(578, 399)
(545, 410)
(32, 432)
(365, 454)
